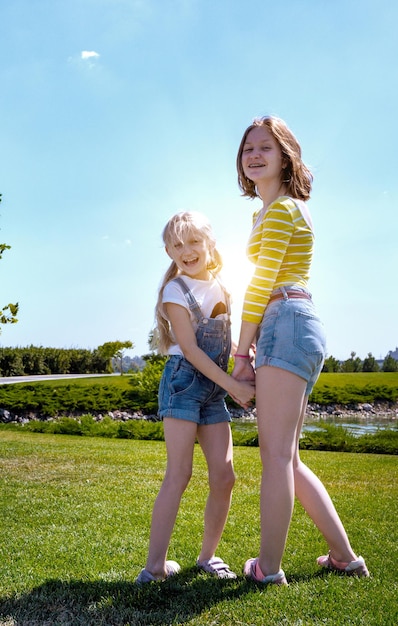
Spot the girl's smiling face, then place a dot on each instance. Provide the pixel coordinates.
(262, 160)
(191, 255)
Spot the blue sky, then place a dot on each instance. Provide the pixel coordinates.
(115, 114)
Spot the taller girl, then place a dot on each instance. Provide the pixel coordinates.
(279, 311)
(193, 325)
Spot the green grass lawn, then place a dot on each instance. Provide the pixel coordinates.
(75, 515)
(359, 379)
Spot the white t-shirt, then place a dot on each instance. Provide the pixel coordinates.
(209, 295)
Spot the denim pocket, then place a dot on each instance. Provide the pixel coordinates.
(309, 334)
(182, 377)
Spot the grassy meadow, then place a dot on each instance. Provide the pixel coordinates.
(75, 515)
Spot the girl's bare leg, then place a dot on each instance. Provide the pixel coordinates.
(281, 406)
(216, 443)
(316, 501)
(180, 437)
(279, 401)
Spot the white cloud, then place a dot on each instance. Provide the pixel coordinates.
(89, 54)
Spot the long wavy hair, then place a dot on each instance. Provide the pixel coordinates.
(178, 228)
(296, 176)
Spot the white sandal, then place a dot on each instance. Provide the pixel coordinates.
(144, 576)
(216, 567)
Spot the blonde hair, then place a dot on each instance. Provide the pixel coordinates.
(296, 176)
(177, 229)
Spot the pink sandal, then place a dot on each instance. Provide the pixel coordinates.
(352, 568)
(252, 570)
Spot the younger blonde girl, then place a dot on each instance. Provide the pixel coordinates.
(193, 329)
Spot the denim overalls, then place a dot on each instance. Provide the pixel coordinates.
(184, 392)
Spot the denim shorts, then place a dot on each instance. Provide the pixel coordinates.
(185, 393)
(291, 336)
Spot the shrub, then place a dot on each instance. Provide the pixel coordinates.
(328, 437)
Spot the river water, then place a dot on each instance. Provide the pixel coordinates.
(357, 425)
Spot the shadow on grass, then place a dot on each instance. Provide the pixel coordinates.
(121, 603)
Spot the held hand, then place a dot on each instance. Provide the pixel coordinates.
(246, 407)
(243, 370)
(244, 392)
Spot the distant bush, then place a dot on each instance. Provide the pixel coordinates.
(380, 442)
(88, 426)
(327, 437)
(34, 360)
(141, 429)
(51, 401)
(333, 438)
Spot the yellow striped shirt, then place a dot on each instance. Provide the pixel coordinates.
(280, 245)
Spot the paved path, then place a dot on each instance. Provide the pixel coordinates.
(10, 380)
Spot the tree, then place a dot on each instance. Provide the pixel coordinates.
(353, 364)
(331, 365)
(145, 384)
(114, 350)
(370, 364)
(9, 312)
(389, 364)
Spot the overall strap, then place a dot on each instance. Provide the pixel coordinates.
(193, 304)
(226, 295)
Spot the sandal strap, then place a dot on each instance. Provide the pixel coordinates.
(216, 566)
(252, 570)
(346, 566)
(353, 565)
(356, 567)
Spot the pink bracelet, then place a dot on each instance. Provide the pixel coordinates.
(242, 356)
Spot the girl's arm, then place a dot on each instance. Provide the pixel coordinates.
(184, 333)
(243, 368)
